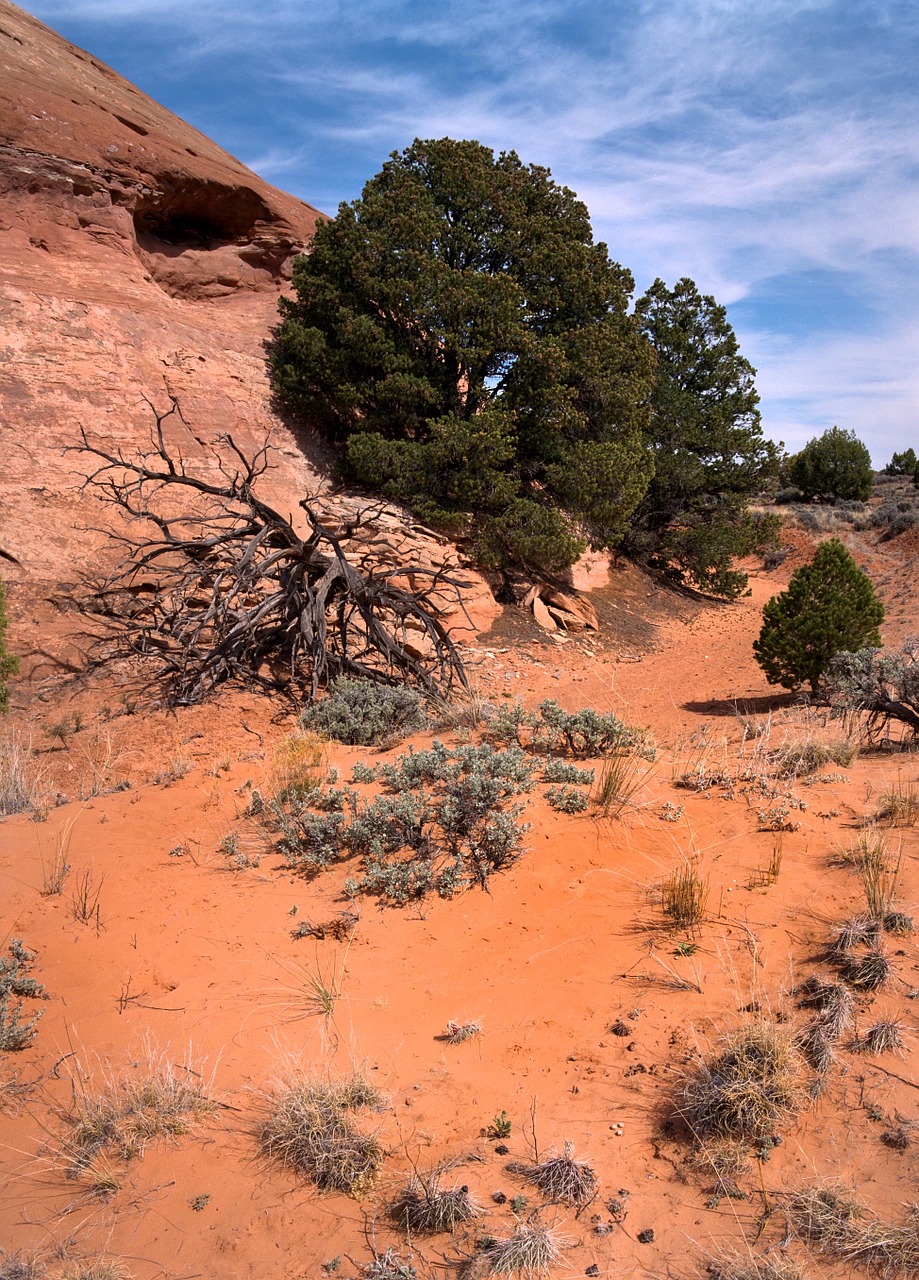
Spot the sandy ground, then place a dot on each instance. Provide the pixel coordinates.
(193, 963)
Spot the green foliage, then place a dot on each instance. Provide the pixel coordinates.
(902, 464)
(830, 607)
(365, 714)
(458, 332)
(9, 663)
(16, 985)
(834, 465)
(884, 686)
(567, 800)
(550, 728)
(441, 824)
(710, 457)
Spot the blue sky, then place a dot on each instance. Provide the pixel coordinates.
(767, 149)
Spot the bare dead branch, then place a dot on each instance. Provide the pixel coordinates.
(215, 585)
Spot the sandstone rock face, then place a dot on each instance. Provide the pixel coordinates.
(138, 262)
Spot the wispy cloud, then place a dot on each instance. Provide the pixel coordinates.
(746, 145)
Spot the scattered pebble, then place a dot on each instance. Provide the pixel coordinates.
(646, 1236)
(501, 1149)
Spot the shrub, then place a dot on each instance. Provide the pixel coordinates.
(309, 1130)
(751, 1088)
(363, 713)
(834, 465)
(16, 985)
(549, 728)
(9, 664)
(882, 686)
(425, 1207)
(830, 607)
(444, 824)
(567, 800)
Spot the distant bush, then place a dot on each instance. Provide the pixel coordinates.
(830, 607)
(9, 664)
(362, 713)
(896, 516)
(902, 464)
(834, 465)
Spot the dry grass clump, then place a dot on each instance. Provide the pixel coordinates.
(899, 805)
(883, 1037)
(867, 972)
(19, 781)
(834, 1004)
(685, 894)
(561, 1178)
(308, 1128)
(836, 1223)
(824, 1215)
(754, 1085)
(817, 1046)
(459, 1032)
(99, 1269)
(859, 931)
(620, 778)
(14, 1266)
(389, 1266)
(869, 850)
(425, 1207)
(746, 1266)
(297, 766)
(899, 923)
(531, 1251)
(724, 1157)
(881, 883)
(164, 1102)
(796, 759)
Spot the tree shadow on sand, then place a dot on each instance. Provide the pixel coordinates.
(743, 706)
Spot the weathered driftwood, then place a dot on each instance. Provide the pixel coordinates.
(217, 585)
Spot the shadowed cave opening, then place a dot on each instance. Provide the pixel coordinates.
(199, 214)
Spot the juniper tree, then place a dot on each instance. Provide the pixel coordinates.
(710, 457)
(462, 337)
(830, 607)
(834, 465)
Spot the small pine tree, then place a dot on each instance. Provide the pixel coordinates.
(9, 664)
(830, 607)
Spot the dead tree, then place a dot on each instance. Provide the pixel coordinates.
(214, 585)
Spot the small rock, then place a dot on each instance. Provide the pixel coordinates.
(592, 1270)
(499, 1197)
(646, 1236)
(501, 1149)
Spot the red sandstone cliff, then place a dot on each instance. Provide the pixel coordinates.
(136, 259)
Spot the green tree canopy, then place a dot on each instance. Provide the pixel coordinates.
(830, 607)
(9, 663)
(902, 464)
(710, 456)
(461, 335)
(834, 465)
